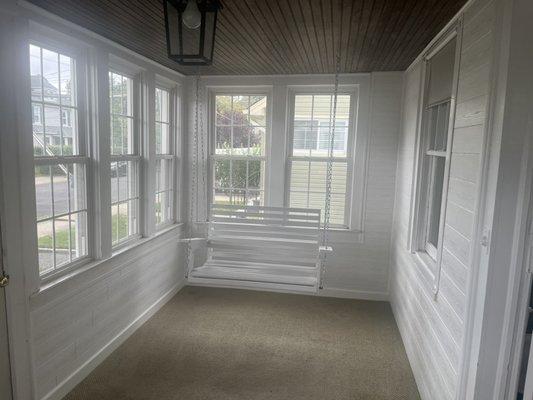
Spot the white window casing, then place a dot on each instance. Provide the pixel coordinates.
(309, 123)
(125, 156)
(166, 150)
(60, 136)
(238, 171)
(434, 148)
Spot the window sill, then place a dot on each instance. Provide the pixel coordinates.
(426, 263)
(92, 269)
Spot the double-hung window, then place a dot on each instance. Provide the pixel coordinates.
(165, 142)
(125, 157)
(434, 152)
(238, 158)
(60, 155)
(311, 126)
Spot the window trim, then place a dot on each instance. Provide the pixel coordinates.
(417, 224)
(352, 213)
(174, 137)
(79, 55)
(134, 73)
(212, 92)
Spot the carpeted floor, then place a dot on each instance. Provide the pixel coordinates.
(222, 344)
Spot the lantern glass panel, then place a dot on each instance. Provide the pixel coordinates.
(191, 40)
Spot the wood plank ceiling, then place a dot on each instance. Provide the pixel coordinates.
(264, 37)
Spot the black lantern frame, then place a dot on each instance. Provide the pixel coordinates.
(191, 46)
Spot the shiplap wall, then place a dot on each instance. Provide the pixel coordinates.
(74, 321)
(363, 267)
(359, 266)
(433, 329)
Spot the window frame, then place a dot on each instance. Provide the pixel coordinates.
(351, 222)
(174, 108)
(212, 92)
(80, 57)
(134, 73)
(419, 225)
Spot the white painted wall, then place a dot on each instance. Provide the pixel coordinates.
(359, 266)
(362, 268)
(77, 322)
(433, 328)
(62, 327)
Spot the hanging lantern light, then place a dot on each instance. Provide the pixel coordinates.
(190, 27)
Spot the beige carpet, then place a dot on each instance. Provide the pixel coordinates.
(234, 344)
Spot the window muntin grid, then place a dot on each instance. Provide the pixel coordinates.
(239, 156)
(124, 200)
(125, 160)
(312, 121)
(121, 114)
(54, 102)
(60, 163)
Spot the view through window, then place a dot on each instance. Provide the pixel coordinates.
(125, 160)
(164, 164)
(60, 160)
(239, 155)
(311, 140)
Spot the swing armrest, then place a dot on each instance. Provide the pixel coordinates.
(323, 251)
(196, 243)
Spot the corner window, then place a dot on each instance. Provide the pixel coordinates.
(238, 157)
(125, 159)
(312, 123)
(60, 159)
(434, 152)
(165, 163)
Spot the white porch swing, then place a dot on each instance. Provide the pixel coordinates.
(279, 248)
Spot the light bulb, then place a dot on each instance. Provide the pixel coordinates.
(191, 16)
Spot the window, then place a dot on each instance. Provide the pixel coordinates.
(60, 159)
(37, 117)
(125, 159)
(65, 118)
(312, 123)
(434, 152)
(238, 159)
(165, 157)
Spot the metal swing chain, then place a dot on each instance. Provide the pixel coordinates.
(194, 180)
(329, 174)
(203, 156)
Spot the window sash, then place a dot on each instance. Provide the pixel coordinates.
(76, 71)
(347, 158)
(76, 216)
(131, 114)
(133, 167)
(171, 122)
(346, 195)
(131, 155)
(215, 157)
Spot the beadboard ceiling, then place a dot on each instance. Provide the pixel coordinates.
(264, 37)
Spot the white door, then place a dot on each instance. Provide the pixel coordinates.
(5, 374)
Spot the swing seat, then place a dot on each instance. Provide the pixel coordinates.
(259, 247)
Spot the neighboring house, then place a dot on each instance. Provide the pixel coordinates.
(53, 125)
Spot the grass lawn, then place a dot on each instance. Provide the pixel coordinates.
(46, 242)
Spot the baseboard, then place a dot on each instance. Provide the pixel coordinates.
(354, 294)
(63, 388)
